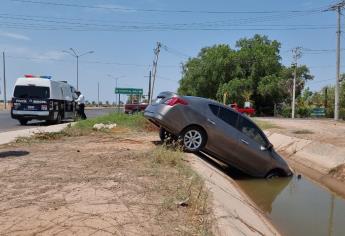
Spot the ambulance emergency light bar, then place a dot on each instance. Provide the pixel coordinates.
(34, 76)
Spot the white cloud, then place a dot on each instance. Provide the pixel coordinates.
(14, 36)
(34, 55)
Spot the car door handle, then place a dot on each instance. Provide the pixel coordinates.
(244, 141)
(211, 121)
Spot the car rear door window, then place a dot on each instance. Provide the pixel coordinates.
(249, 129)
(228, 116)
(214, 109)
(22, 91)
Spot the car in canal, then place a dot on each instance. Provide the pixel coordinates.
(202, 124)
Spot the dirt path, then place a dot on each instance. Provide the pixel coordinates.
(90, 185)
(325, 131)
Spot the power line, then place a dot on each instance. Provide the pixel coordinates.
(175, 52)
(146, 29)
(85, 61)
(160, 10)
(69, 22)
(233, 22)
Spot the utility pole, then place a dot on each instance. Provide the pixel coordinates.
(337, 7)
(149, 92)
(326, 97)
(98, 94)
(154, 68)
(297, 54)
(4, 70)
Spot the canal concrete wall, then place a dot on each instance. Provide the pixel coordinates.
(234, 213)
(318, 156)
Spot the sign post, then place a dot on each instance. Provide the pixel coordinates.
(129, 91)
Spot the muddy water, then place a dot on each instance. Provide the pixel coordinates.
(297, 206)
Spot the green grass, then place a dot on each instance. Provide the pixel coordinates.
(265, 124)
(182, 185)
(136, 121)
(85, 127)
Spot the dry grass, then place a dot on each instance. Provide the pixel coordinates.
(303, 131)
(105, 184)
(264, 125)
(338, 172)
(43, 136)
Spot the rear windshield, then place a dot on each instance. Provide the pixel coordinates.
(31, 92)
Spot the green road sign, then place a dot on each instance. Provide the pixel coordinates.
(129, 91)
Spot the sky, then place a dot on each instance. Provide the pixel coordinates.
(123, 35)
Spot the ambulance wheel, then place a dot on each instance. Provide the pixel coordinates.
(23, 122)
(58, 118)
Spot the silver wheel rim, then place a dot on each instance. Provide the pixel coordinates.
(192, 139)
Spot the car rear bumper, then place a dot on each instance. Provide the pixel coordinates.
(155, 118)
(32, 115)
(165, 116)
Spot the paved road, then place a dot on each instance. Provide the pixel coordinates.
(8, 124)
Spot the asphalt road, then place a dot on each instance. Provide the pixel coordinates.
(9, 124)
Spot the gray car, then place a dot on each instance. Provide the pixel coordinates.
(208, 126)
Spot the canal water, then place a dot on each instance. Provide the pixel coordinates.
(298, 206)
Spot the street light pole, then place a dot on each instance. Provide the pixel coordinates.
(4, 70)
(296, 55)
(116, 79)
(75, 54)
(77, 72)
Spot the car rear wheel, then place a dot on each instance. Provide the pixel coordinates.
(194, 139)
(166, 137)
(58, 118)
(23, 122)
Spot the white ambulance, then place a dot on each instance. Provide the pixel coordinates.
(40, 98)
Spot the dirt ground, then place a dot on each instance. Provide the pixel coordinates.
(91, 185)
(326, 131)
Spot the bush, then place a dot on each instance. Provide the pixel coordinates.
(304, 112)
(286, 112)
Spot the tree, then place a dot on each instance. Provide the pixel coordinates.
(303, 75)
(235, 90)
(202, 76)
(253, 71)
(271, 87)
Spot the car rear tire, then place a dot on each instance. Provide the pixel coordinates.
(193, 139)
(23, 122)
(166, 137)
(58, 118)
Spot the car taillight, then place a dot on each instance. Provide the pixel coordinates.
(44, 107)
(175, 101)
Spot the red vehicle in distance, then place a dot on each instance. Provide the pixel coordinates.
(133, 108)
(246, 110)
